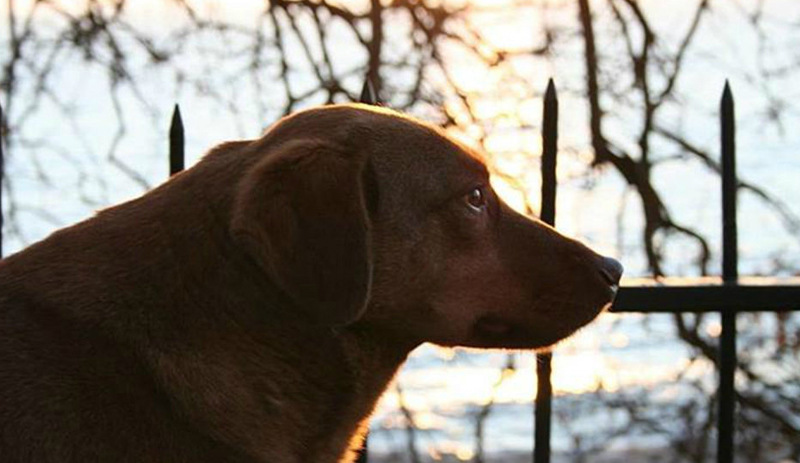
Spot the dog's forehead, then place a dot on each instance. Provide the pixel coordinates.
(414, 160)
(420, 163)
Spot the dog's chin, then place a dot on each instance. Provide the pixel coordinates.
(496, 332)
(490, 332)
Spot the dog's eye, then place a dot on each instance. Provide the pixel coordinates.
(476, 199)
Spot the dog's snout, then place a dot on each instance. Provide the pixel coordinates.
(611, 270)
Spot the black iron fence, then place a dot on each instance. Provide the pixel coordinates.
(727, 296)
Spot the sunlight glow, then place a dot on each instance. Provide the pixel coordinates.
(511, 195)
(714, 329)
(576, 370)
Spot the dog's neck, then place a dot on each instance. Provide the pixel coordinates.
(264, 367)
(309, 383)
(373, 356)
(314, 389)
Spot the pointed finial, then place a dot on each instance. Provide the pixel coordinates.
(726, 102)
(550, 93)
(368, 93)
(727, 94)
(177, 121)
(176, 142)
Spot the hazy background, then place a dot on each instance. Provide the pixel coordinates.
(88, 89)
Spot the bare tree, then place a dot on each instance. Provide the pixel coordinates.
(423, 57)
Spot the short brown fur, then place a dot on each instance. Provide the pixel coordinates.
(254, 307)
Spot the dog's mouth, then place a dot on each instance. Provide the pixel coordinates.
(491, 331)
(490, 326)
(495, 331)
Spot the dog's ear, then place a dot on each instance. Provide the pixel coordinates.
(301, 213)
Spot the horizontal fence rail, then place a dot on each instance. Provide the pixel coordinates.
(670, 295)
(727, 295)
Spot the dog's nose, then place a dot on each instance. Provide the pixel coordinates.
(611, 270)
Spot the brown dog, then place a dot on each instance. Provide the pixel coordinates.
(254, 308)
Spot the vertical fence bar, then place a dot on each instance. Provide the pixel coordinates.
(369, 97)
(176, 143)
(544, 391)
(2, 172)
(730, 273)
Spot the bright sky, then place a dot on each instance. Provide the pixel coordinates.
(580, 364)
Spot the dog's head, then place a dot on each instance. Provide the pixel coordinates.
(362, 215)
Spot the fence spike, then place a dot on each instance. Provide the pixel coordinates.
(369, 97)
(368, 93)
(729, 183)
(544, 391)
(549, 150)
(727, 341)
(176, 142)
(2, 174)
(550, 92)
